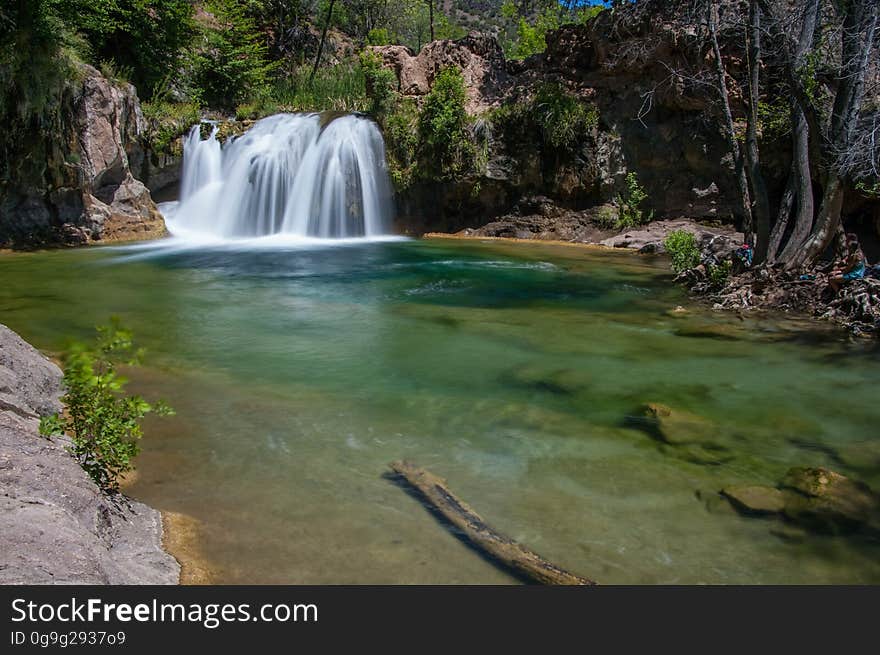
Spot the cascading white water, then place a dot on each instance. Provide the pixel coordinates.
(287, 175)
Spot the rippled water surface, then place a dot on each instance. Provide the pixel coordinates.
(298, 372)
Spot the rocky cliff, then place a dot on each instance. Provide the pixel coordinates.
(76, 185)
(647, 121)
(56, 527)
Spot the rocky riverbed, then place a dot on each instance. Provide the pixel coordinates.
(56, 527)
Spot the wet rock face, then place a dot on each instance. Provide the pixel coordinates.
(83, 189)
(56, 527)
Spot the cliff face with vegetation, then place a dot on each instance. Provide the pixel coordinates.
(75, 185)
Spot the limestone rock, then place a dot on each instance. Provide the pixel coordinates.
(56, 527)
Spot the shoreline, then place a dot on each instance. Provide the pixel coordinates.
(438, 236)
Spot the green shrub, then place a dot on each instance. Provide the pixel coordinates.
(379, 82)
(102, 422)
(443, 120)
(682, 248)
(402, 142)
(562, 121)
(718, 274)
(166, 121)
(629, 204)
(607, 218)
(378, 36)
(565, 121)
(231, 66)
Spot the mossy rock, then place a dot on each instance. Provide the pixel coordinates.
(827, 501)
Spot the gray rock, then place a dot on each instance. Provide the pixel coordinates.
(56, 527)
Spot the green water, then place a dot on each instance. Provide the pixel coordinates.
(298, 374)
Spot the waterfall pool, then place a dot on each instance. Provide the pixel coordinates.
(298, 372)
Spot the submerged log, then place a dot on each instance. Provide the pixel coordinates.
(512, 555)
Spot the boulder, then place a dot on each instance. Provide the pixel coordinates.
(755, 499)
(827, 501)
(675, 427)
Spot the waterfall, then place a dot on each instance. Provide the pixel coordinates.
(289, 174)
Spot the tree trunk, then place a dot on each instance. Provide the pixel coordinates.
(517, 558)
(759, 187)
(745, 199)
(431, 17)
(859, 27)
(323, 39)
(782, 218)
(800, 161)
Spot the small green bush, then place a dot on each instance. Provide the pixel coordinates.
(718, 274)
(379, 82)
(402, 142)
(102, 422)
(443, 121)
(168, 120)
(682, 248)
(629, 204)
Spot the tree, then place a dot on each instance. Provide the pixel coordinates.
(323, 39)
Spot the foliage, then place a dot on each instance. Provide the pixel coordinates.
(629, 204)
(103, 423)
(719, 273)
(402, 139)
(145, 37)
(607, 218)
(682, 248)
(380, 83)
(231, 64)
(774, 119)
(378, 36)
(443, 126)
(168, 120)
(526, 34)
(562, 120)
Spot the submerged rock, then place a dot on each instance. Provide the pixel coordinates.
(755, 499)
(827, 501)
(563, 381)
(675, 427)
(812, 498)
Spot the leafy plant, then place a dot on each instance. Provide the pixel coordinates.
(682, 248)
(629, 204)
(231, 66)
(443, 125)
(719, 273)
(562, 120)
(380, 83)
(102, 422)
